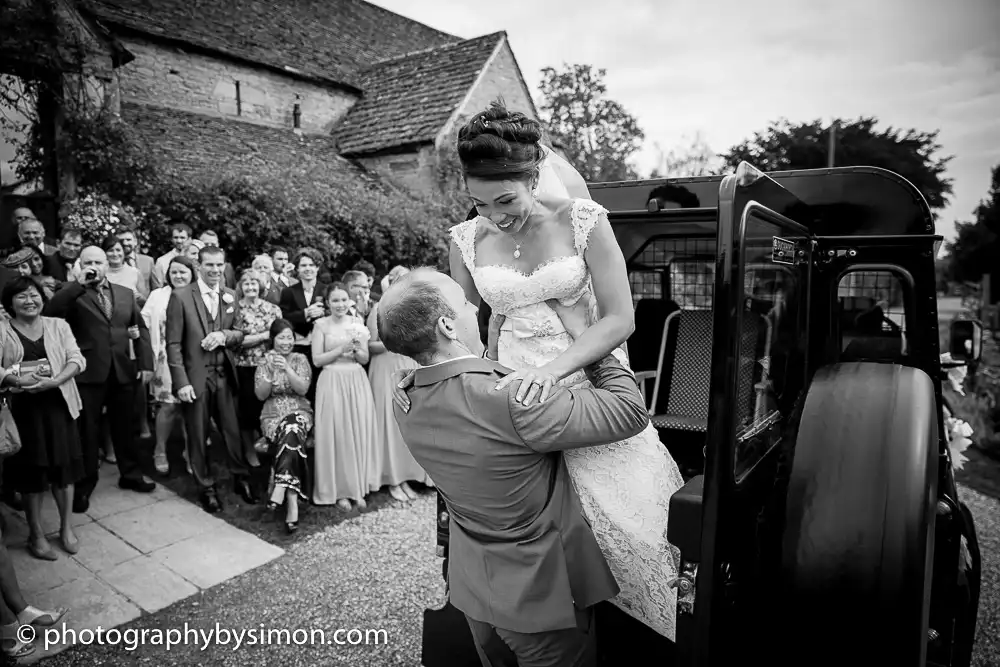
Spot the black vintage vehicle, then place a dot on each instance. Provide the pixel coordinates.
(787, 343)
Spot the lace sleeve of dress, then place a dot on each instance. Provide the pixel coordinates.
(585, 215)
(464, 235)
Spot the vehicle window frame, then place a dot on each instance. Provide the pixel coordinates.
(906, 283)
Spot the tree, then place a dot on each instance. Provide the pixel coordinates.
(976, 247)
(598, 134)
(909, 153)
(696, 159)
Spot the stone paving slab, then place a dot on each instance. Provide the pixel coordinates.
(138, 554)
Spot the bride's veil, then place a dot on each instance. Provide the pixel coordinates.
(557, 179)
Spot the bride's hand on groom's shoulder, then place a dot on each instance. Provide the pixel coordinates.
(535, 383)
(403, 380)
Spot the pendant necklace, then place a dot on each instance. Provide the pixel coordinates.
(517, 246)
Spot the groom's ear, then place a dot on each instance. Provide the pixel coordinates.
(446, 327)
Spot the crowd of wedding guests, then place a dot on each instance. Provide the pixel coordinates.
(277, 364)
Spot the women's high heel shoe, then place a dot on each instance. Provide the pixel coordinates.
(291, 526)
(12, 645)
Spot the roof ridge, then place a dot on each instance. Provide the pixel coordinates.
(389, 11)
(439, 47)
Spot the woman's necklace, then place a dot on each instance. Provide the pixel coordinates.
(526, 229)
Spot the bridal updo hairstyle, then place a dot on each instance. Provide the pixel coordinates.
(499, 145)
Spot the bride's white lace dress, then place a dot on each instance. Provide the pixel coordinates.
(625, 487)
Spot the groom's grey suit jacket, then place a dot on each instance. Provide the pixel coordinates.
(522, 557)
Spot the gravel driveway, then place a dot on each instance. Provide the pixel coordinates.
(986, 511)
(378, 571)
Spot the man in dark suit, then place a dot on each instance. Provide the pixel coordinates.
(302, 304)
(200, 340)
(523, 561)
(112, 335)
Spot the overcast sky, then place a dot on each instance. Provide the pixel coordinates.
(727, 68)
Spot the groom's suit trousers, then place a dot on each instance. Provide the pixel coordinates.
(574, 647)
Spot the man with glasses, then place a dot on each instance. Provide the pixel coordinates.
(30, 231)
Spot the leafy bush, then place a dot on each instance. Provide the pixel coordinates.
(308, 204)
(369, 221)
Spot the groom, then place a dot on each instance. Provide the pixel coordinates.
(524, 563)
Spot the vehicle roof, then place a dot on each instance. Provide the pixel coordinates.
(843, 201)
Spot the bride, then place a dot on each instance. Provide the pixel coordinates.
(533, 242)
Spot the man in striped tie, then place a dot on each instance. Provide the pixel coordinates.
(101, 315)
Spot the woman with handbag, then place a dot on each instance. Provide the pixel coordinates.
(45, 412)
(14, 609)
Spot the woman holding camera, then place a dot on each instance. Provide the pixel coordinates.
(45, 407)
(281, 382)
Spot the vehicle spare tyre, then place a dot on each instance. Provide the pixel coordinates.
(857, 544)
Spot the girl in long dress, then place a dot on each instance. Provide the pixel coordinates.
(533, 242)
(345, 428)
(396, 464)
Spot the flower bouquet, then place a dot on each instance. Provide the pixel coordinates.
(358, 332)
(98, 216)
(958, 433)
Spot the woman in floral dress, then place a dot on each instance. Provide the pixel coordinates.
(281, 382)
(254, 319)
(180, 272)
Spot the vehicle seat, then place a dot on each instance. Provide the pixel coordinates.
(863, 338)
(685, 370)
(686, 359)
(752, 380)
(644, 343)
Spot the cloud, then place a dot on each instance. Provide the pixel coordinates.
(728, 69)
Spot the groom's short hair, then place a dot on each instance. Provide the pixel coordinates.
(408, 314)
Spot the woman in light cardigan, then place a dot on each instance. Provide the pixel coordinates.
(14, 609)
(45, 412)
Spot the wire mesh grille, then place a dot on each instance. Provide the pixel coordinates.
(861, 291)
(681, 269)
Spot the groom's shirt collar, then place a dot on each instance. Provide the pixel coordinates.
(445, 370)
(448, 361)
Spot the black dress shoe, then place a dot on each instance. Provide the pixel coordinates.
(81, 503)
(291, 526)
(210, 502)
(245, 491)
(141, 485)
